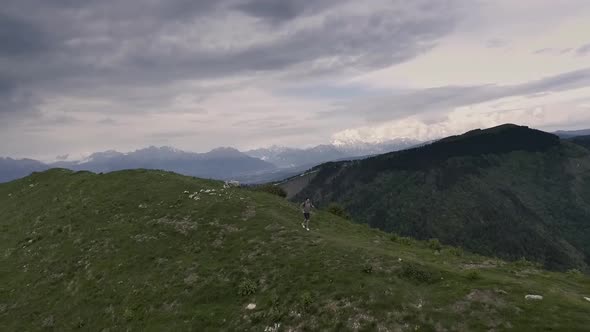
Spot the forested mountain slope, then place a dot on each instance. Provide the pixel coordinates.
(508, 191)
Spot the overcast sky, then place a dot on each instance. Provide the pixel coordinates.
(84, 76)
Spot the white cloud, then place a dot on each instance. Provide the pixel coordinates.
(548, 112)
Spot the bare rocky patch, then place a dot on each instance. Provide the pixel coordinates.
(487, 264)
(249, 212)
(183, 226)
(485, 305)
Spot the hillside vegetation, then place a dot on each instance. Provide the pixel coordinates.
(581, 140)
(152, 251)
(508, 191)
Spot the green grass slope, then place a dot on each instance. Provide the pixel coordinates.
(132, 251)
(509, 191)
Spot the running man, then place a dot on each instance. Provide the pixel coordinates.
(306, 207)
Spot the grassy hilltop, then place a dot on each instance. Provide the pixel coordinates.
(132, 251)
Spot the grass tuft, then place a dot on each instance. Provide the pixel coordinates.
(247, 287)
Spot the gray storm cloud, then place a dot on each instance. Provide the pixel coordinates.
(62, 47)
(84, 73)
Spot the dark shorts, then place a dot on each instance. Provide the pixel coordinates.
(306, 215)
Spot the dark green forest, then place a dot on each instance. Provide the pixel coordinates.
(510, 191)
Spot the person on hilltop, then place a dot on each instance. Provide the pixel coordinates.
(306, 207)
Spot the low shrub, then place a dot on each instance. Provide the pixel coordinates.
(434, 244)
(407, 241)
(275, 314)
(418, 273)
(574, 272)
(128, 314)
(306, 301)
(338, 210)
(272, 189)
(473, 275)
(456, 251)
(275, 300)
(247, 287)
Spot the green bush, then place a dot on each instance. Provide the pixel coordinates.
(247, 287)
(306, 301)
(368, 268)
(456, 251)
(274, 314)
(406, 240)
(128, 314)
(419, 273)
(434, 244)
(473, 275)
(275, 300)
(338, 210)
(394, 237)
(574, 272)
(272, 189)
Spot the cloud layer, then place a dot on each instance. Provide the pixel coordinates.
(79, 76)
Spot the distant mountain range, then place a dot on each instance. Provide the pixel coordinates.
(221, 163)
(254, 166)
(572, 133)
(11, 169)
(508, 191)
(284, 157)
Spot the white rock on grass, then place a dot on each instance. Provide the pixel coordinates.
(533, 297)
(231, 183)
(186, 192)
(274, 328)
(251, 306)
(587, 298)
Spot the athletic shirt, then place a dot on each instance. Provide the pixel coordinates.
(307, 207)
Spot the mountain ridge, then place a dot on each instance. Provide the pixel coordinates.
(274, 161)
(297, 157)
